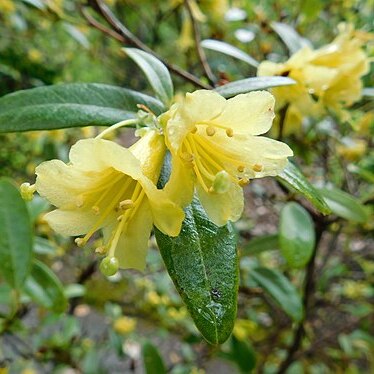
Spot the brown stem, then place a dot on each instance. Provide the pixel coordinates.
(133, 40)
(282, 120)
(200, 51)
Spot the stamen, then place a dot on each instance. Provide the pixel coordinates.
(96, 210)
(257, 167)
(119, 218)
(194, 130)
(243, 182)
(126, 204)
(101, 250)
(27, 191)
(210, 130)
(188, 157)
(241, 168)
(230, 132)
(80, 242)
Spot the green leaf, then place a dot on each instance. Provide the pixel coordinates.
(243, 354)
(261, 244)
(252, 84)
(203, 264)
(156, 72)
(344, 205)
(153, 363)
(230, 50)
(368, 92)
(43, 246)
(71, 105)
(45, 288)
(292, 178)
(281, 289)
(290, 37)
(296, 235)
(15, 236)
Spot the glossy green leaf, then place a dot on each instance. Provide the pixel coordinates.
(252, 84)
(153, 363)
(344, 205)
(43, 246)
(71, 105)
(203, 264)
(261, 244)
(243, 354)
(15, 236)
(156, 72)
(296, 235)
(45, 288)
(292, 178)
(290, 37)
(281, 290)
(230, 50)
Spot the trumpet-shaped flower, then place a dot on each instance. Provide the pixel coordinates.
(327, 78)
(106, 186)
(215, 146)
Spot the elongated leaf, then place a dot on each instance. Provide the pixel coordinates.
(156, 72)
(45, 288)
(290, 37)
(296, 235)
(292, 178)
(281, 289)
(203, 264)
(261, 244)
(344, 205)
(70, 105)
(153, 363)
(230, 50)
(15, 236)
(252, 84)
(243, 354)
(368, 92)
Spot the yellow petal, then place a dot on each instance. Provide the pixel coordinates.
(180, 186)
(99, 154)
(70, 222)
(222, 207)
(250, 113)
(59, 183)
(167, 216)
(132, 247)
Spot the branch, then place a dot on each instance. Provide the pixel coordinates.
(200, 51)
(131, 39)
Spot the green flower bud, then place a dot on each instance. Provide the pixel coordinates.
(109, 266)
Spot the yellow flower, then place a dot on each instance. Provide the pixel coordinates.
(106, 186)
(124, 325)
(215, 147)
(327, 78)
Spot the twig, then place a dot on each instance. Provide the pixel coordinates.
(200, 51)
(133, 40)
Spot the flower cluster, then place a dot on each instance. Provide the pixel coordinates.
(216, 149)
(327, 78)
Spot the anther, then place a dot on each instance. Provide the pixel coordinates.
(194, 130)
(27, 191)
(96, 210)
(210, 130)
(243, 182)
(80, 242)
(257, 167)
(188, 157)
(126, 204)
(230, 132)
(119, 218)
(101, 250)
(241, 168)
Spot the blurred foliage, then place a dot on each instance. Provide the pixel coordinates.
(108, 321)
